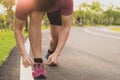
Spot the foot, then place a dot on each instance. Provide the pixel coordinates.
(39, 71)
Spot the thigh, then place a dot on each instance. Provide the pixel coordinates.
(55, 18)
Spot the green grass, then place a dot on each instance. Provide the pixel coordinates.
(7, 42)
(117, 29)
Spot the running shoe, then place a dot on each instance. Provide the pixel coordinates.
(48, 54)
(38, 71)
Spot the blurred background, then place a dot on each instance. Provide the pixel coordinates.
(97, 12)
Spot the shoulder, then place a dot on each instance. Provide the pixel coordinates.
(67, 3)
(67, 8)
(23, 7)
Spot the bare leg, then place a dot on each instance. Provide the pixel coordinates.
(35, 33)
(55, 31)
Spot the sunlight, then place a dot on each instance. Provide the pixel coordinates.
(2, 9)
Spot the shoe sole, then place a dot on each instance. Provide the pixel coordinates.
(41, 77)
(53, 65)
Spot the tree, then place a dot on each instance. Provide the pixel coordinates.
(94, 14)
(9, 4)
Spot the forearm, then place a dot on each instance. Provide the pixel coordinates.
(62, 39)
(20, 41)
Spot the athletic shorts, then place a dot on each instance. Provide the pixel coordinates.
(55, 18)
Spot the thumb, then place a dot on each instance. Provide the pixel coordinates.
(31, 60)
(49, 59)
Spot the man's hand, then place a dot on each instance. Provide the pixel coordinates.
(52, 60)
(27, 61)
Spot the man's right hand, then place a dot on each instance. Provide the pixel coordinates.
(27, 61)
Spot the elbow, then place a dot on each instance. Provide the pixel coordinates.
(67, 27)
(17, 30)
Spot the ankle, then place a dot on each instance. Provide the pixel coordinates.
(50, 51)
(38, 60)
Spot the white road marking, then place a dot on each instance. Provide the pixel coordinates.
(107, 30)
(103, 29)
(26, 73)
(114, 37)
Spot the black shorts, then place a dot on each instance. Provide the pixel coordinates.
(55, 18)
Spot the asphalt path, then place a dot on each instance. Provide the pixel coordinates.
(89, 54)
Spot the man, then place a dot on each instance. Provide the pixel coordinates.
(60, 16)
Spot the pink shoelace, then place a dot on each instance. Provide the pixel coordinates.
(38, 70)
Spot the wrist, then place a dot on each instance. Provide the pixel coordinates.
(23, 54)
(57, 53)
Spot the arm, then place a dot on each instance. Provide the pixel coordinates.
(27, 61)
(67, 21)
(19, 35)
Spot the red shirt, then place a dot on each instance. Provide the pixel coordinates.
(25, 7)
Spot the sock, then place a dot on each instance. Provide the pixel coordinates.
(50, 51)
(38, 60)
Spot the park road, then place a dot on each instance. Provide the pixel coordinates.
(89, 54)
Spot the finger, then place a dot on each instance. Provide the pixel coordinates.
(31, 60)
(26, 62)
(46, 62)
(49, 59)
(25, 65)
(51, 62)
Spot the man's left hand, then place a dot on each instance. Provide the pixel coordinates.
(52, 59)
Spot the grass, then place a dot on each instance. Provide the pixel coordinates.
(117, 29)
(7, 42)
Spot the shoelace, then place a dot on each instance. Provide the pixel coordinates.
(38, 66)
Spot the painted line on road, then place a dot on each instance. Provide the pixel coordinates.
(106, 30)
(26, 73)
(114, 37)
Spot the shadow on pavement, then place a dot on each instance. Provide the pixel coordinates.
(40, 79)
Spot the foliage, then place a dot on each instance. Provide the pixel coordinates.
(94, 14)
(7, 23)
